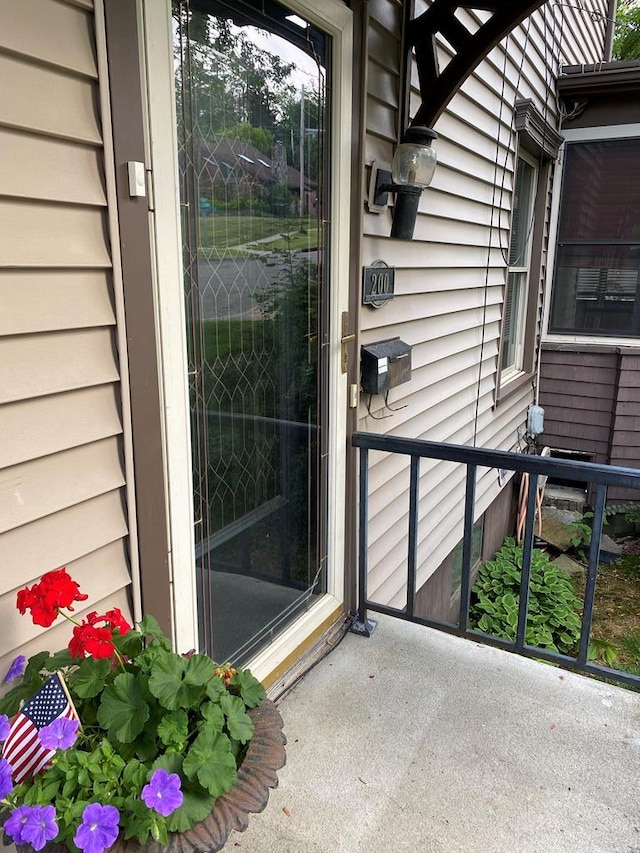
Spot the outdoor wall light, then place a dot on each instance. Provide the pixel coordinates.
(412, 170)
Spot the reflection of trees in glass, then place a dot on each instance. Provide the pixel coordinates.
(227, 86)
(259, 137)
(232, 80)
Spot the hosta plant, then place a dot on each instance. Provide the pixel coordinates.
(155, 739)
(553, 615)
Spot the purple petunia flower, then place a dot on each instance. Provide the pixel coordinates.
(40, 826)
(5, 727)
(6, 785)
(60, 734)
(16, 669)
(162, 793)
(99, 828)
(15, 823)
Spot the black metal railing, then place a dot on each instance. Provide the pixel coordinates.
(599, 476)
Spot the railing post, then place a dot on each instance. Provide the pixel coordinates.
(360, 624)
(592, 573)
(527, 552)
(465, 581)
(412, 556)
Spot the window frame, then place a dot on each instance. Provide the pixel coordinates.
(519, 317)
(541, 143)
(595, 334)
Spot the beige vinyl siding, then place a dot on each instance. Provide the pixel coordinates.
(62, 480)
(450, 278)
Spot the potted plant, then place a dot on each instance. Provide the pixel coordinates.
(118, 742)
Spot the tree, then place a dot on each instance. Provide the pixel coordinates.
(257, 136)
(228, 79)
(626, 42)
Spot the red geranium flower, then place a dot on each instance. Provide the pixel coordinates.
(115, 619)
(89, 640)
(65, 589)
(55, 590)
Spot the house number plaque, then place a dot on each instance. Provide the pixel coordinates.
(377, 284)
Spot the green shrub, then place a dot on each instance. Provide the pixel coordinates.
(553, 620)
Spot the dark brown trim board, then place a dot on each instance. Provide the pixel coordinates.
(135, 247)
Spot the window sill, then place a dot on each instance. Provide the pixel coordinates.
(509, 388)
(589, 345)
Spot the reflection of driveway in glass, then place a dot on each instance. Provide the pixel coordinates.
(228, 287)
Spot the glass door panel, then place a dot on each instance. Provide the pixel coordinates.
(251, 94)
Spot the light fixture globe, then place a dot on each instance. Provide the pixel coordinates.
(411, 170)
(415, 160)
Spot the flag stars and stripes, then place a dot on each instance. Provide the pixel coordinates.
(23, 748)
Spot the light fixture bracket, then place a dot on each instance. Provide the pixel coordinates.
(381, 185)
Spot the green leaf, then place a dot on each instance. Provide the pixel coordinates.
(89, 679)
(61, 660)
(167, 681)
(196, 806)
(485, 624)
(123, 710)
(216, 689)
(49, 792)
(134, 775)
(36, 664)
(509, 601)
(159, 829)
(173, 729)
(250, 689)
(169, 761)
(212, 715)
(200, 670)
(150, 627)
(146, 746)
(211, 762)
(130, 644)
(239, 722)
(137, 819)
(69, 788)
(180, 683)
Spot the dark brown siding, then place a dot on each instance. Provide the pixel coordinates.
(434, 599)
(591, 400)
(625, 431)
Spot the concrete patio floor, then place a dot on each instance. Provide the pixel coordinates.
(414, 740)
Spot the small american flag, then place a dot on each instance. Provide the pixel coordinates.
(22, 748)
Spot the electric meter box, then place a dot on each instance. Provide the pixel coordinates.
(384, 365)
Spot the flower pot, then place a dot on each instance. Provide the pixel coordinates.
(257, 774)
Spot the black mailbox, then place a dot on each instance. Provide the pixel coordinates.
(384, 365)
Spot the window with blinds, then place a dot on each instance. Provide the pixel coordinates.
(595, 288)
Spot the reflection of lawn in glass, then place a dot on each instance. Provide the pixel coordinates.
(220, 233)
(301, 239)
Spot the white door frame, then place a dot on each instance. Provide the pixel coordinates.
(333, 17)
